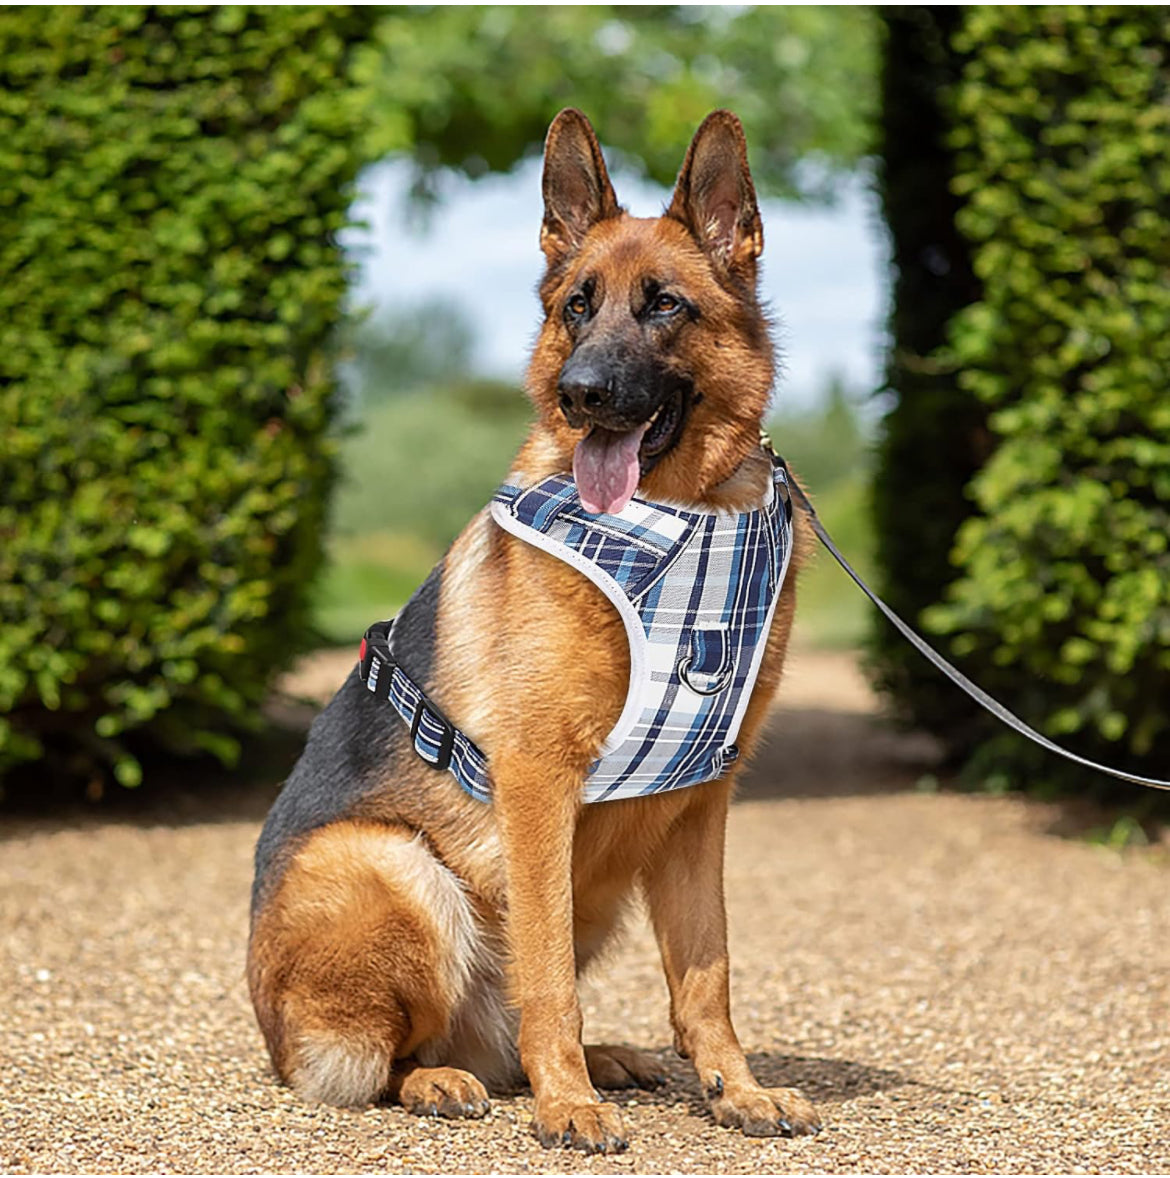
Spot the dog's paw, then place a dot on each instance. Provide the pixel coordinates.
(443, 1092)
(764, 1112)
(622, 1067)
(591, 1128)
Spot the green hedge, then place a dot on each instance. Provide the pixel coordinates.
(1062, 125)
(171, 185)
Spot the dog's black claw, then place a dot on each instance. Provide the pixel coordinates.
(786, 1127)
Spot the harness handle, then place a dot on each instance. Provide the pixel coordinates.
(953, 673)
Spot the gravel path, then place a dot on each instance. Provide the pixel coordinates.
(961, 985)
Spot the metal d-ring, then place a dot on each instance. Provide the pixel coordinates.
(684, 666)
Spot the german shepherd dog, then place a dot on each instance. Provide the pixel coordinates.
(411, 943)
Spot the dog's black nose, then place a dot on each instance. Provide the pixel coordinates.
(583, 390)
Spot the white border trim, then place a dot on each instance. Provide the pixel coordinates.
(635, 632)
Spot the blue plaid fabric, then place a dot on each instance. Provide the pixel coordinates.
(630, 551)
(696, 591)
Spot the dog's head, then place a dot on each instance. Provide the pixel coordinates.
(653, 366)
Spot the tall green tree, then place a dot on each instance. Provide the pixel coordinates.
(933, 437)
(474, 88)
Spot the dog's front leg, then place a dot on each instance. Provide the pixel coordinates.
(537, 815)
(684, 889)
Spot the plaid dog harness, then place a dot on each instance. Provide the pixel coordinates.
(696, 591)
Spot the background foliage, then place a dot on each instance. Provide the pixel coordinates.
(1061, 603)
(171, 181)
(473, 88)
(1062, 124)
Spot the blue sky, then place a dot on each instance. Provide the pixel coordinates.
(825, 269)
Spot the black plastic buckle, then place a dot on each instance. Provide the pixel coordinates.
(375, 653)
(446, 741)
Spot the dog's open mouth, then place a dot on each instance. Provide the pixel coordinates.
(607, 464)
(666, 426)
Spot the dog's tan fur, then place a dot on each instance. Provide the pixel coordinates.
(427, 946)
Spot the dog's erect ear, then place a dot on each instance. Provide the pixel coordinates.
(576, 187)
(715, 198)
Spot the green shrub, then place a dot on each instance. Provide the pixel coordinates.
(171, 185)
(1062, 126)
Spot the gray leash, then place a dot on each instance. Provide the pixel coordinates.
(923, 647)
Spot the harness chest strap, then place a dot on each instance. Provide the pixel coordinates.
(696, 591)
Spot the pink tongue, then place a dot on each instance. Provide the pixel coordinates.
(605, 465)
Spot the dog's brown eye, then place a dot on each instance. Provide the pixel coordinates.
(665, 303)
(577, 305)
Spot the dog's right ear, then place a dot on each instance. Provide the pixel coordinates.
(576, 187)
(715, 198)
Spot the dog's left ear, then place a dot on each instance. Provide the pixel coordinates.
(576, 186)
(715, 198)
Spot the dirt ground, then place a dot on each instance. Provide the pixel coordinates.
(963, 983)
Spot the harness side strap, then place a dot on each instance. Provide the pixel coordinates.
(432, 736)
(924, 648)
